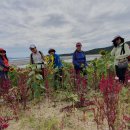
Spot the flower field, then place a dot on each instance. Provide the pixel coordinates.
(97, 103)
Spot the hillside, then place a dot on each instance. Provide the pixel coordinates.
(95, 51)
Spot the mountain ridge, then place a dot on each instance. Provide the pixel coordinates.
(89, 52)
(95, 51)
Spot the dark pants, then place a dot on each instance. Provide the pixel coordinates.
(58, 78)
(80, 71)
(42, 73)
(1, 85)
(120, 72)
(4, 85)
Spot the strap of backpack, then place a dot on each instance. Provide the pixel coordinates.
(123, 49)
(32, 61)
(41, 54)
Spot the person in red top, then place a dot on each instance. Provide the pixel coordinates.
(4, 64)
(129, 68)
(4, 68)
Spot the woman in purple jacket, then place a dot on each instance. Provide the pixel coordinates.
(79, 60)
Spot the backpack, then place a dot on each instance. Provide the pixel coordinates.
(128, 56)
(123, 52)
(32, 61)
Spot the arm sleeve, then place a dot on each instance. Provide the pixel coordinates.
(2, 64)
(127, 53)
(59, 61)
(113, 51)
(30, 60)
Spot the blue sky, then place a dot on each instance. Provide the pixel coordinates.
(60, 24)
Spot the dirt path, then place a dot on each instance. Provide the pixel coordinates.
(47, 116)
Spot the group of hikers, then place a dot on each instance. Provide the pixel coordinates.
(120, 52)
(79, 59)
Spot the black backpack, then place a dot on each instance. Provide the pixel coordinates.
(32, 61)
(123, 52)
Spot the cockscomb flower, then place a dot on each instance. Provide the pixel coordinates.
(126, 118)
(108, 85)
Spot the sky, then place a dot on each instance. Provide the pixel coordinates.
(59, 24)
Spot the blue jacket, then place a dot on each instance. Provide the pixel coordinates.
(3, 74)
(57, 61)
(79, 59)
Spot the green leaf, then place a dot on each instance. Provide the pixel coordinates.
(42, 86)
(34, 86)
(29, 81)
(39, 77)
(31, 73)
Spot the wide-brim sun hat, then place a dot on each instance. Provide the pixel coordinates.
(118, 36)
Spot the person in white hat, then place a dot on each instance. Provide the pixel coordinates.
(37, 58)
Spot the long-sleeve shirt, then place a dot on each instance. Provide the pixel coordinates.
(116, 52)
(57, 61)
(79, 59)
(2, 65)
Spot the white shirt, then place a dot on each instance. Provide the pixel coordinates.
(37, 58)
(116, 52)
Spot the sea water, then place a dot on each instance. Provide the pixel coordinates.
(22, 62)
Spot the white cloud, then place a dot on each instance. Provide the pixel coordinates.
(61, 23)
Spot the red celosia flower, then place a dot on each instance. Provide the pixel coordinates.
(108, 85)
(126, 118)
(4, 122)
(4, 126)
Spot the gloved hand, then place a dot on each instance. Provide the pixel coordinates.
(82, 66)
(84, 69)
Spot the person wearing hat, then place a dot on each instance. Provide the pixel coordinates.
(120, 52)
(57, 64)
(57, 61)
(4, 64)
(4, 67)
(79, 60)
(37, 58)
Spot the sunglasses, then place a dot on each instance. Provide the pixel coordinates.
(32, 49)
(2, 51)
(78, 46)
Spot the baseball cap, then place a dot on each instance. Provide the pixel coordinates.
(32, 46)
(78, 44)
